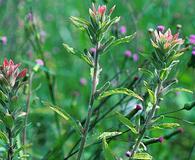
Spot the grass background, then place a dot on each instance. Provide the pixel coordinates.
(52, 18)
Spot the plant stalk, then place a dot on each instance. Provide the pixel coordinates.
(10, 145)
(91, 101)
(147, 122)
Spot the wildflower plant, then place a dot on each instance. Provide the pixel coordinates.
(12, 115)
(97, 29)
(167, 51)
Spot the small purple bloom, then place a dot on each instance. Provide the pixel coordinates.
(161, 28)
(29, 16)
(193, 51)
(192, 39)
(39, 62)
(160, 139)
(135, 57)
(123, 30)
(181, 130)
(127, 53)
(93, 50)
(177, 93)
(4, 40)
(128, 154)
(83, 81)
(138, 107)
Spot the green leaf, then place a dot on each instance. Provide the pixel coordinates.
(3, 137)
(8, 120)
(79, 22)
(142, 156)
(180, 90)
(125, 91)
(22, 148)
(126, 39)
(126, 122)
(166, 126)
(108, 155)
(108, 134)
(146, 72)
(79, 54)
(152, 96)
(60, 112)
(65, 116)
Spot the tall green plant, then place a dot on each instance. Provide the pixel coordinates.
(97, 30)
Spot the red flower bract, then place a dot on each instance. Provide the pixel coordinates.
(11, 72)
(101, 10)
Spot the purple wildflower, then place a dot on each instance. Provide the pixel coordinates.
(138, 107)
(128, 153)
(93, 50)
(135, 57)
(83, 81)
(161, 28)
(160, 139)
(123, 30)
(4, 40)
(39, 62)
(192, 39)
(29, 16)
(127, 53)
(193, 51)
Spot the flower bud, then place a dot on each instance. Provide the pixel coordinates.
(128, 153)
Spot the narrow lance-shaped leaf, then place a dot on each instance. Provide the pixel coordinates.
(152, 96)
(166, 126)
(146, 72)
(126, 39)
(142, 156)
(3, 137)
(126, 122)
(79, 54)
(125, 91)
(108, 155)
(79, 22)
(180, 90)
(65, 116)
(108, 134)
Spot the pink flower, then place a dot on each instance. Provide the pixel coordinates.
(161, 28)
(4, 40)
(22, 74)
(193, 51)
(127, 53)
(166, 40)
(160, 139)
(30, 16)
(102, 10)
(138, 107)
(192, 39)
(39, 62)
(123, 30)
(11, 71)
(93, 50)
(83, 81)
(135, 57)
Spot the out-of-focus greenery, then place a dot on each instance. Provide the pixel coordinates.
(52, 19)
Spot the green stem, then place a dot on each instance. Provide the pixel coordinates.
(27, 108)
(91, 101)
(10, 145)
(147, 122)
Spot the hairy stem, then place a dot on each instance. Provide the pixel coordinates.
(10, 145)
(27, 108)
(91, 101)
(148, 119)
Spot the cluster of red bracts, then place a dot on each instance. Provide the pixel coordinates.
(10, 71)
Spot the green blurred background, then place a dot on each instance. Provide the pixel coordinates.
(54, 27)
